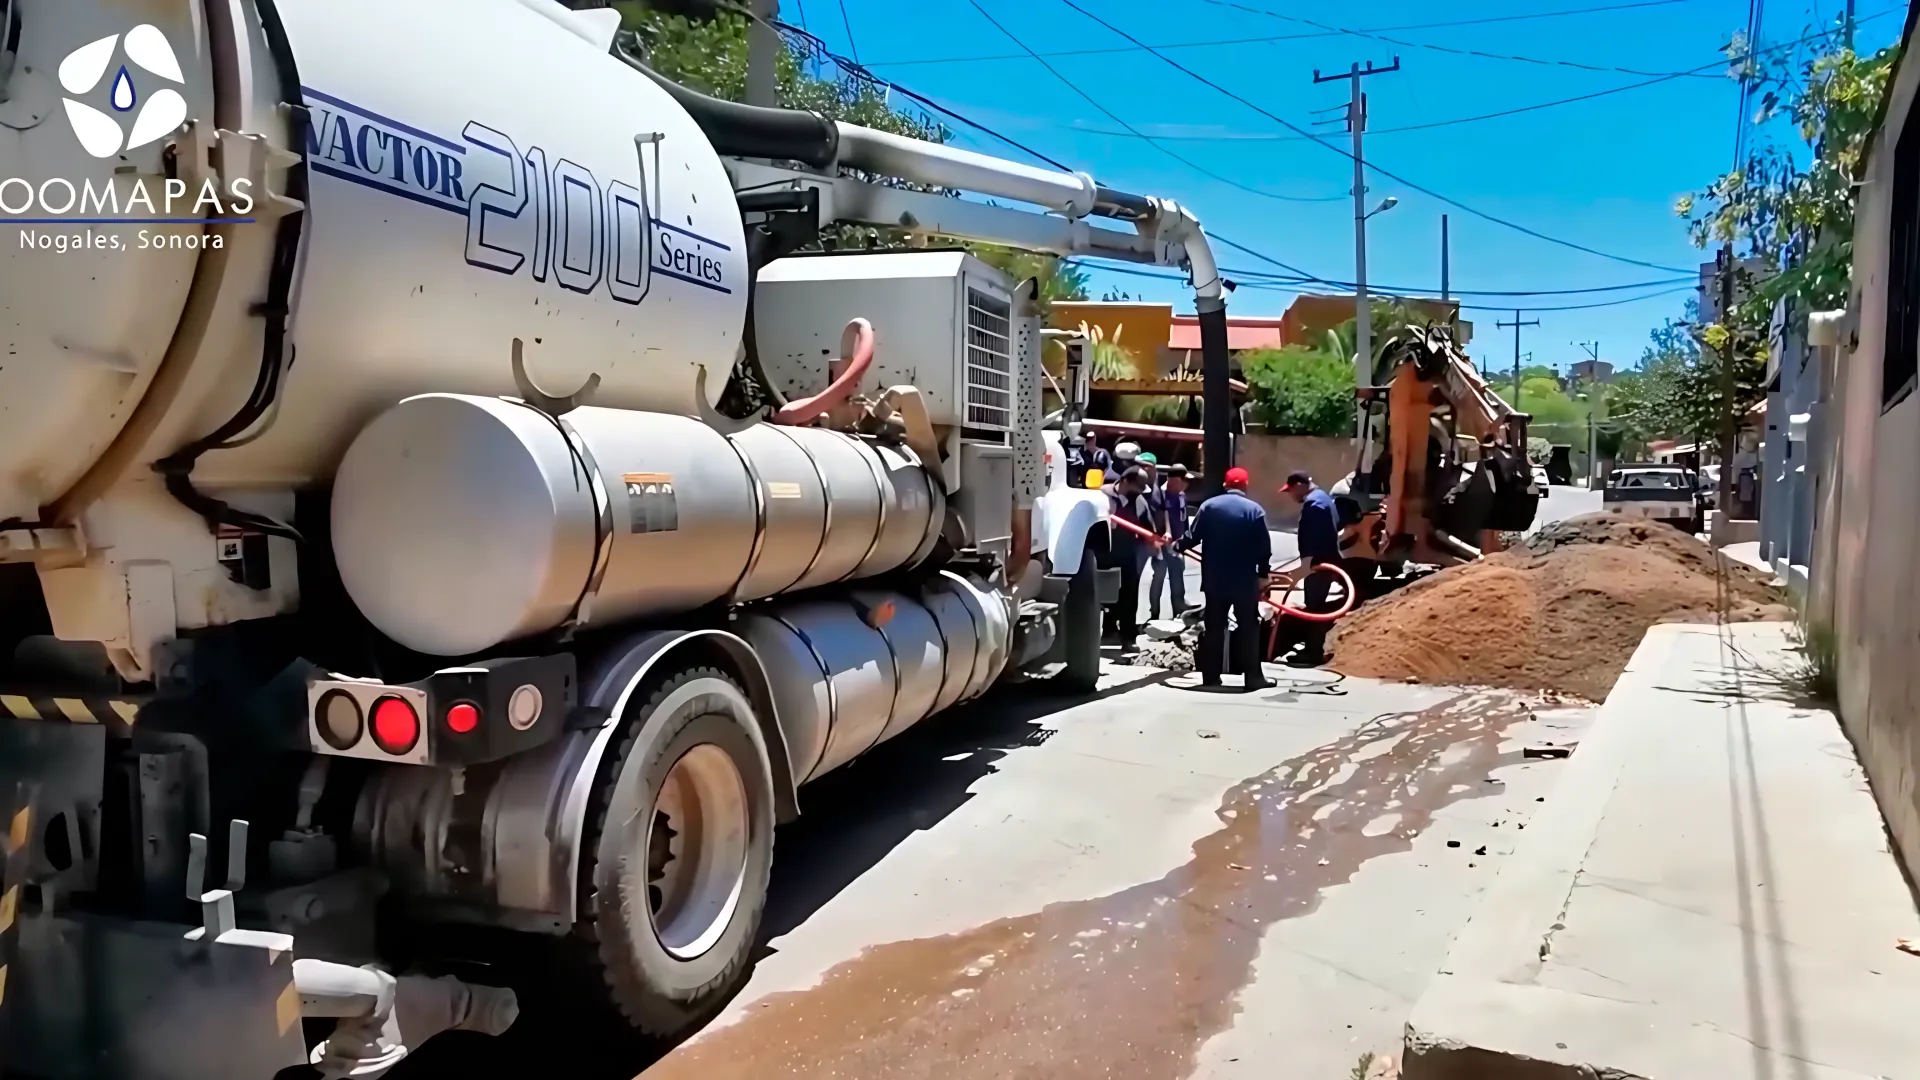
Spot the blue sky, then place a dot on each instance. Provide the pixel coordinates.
(1602, 173)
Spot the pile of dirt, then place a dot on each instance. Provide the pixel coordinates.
(1564, 611)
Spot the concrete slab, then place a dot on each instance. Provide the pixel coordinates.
(1708, 894)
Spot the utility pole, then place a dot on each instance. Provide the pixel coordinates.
(1847, 34)
(1595, 399)
(1517, 324)
(1445, 290)
(1730, 422)
(1362, 309)
(763, 55)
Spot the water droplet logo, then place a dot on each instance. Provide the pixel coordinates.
(86, 67)
(123, 96)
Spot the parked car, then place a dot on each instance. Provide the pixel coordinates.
(1667, 493)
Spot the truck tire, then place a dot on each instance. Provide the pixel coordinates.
(678, 850)
(1080, 624)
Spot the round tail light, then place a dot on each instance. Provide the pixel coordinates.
(462, 717)
(396, 727)
(339, 720)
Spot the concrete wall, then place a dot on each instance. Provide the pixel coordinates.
(1865, 579)
(1269, 458)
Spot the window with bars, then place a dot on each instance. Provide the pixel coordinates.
(1900, 352)
(989, 361)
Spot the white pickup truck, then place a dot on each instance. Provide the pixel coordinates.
(1668, 493)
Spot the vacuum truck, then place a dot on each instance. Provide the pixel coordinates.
(450, 505)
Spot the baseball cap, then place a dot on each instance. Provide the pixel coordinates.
(1236, 478)
(1298, 478)
(1147, 459)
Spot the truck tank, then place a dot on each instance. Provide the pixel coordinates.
(462, 190)
(461, 522)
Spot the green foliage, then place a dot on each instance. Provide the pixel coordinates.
(1298, 390)
(1539, 450)
(1798, 218)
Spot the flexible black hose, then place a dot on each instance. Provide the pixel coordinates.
(753, 131)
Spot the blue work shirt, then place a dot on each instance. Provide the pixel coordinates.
(1319, 533)
(1235, 548)
(1173, 508)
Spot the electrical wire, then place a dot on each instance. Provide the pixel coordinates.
(1283, 122)
(852, 45)
(859, 70)
(1256, 277)
(1476, 53)
(1294, 287)
(1719, 65)
(1331, 32)
(1118, 119)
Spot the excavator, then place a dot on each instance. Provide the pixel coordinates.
(1443, 459)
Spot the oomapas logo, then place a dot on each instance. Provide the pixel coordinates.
(153, 112)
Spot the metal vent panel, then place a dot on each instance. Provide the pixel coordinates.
(989, 362)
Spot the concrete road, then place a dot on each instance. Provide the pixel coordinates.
(1562, 503)
(1156, 882)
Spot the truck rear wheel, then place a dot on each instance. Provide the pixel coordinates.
(680, 844)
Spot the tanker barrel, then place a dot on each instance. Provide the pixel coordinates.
(462, 522)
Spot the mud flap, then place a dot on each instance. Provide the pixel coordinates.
(1106, 585)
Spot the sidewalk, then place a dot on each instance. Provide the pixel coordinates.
(1706, 895)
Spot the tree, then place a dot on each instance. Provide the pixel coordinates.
(1298, 390)
(1798, 219)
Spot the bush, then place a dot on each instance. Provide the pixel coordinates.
(1300, 391)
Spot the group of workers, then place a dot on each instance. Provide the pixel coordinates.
(1236, 554)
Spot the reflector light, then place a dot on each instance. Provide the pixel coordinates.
(462, 717)
(396, 727)
(339, 720)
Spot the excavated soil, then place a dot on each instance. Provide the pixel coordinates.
(1562, 612)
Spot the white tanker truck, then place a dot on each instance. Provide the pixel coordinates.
(374, 487)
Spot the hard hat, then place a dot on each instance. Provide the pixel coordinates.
(1127, 451)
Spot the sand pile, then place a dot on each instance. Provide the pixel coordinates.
(1563, 612)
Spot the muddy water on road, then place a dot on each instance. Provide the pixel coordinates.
(1131, 984)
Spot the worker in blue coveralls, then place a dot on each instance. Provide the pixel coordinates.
(1319, 536)
(1235, 553)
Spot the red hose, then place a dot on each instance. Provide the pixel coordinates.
(1311, 616)
(856, 347)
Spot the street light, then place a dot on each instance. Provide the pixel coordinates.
(1386, 204)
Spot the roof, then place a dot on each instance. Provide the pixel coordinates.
(1184, 333)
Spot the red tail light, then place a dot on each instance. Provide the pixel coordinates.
(396, 727)
(462, 717)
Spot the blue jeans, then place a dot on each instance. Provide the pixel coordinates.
(1169, 567)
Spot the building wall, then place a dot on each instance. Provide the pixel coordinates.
(1269, 458)
(1865, 578)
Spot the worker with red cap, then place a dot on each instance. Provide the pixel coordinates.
(1236, 551)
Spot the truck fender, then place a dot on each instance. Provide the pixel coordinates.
(541, 798)
(1069, 516)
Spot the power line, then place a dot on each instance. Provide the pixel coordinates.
(1295, 287)
(1196, 76)
(1428, 125)
(1476, 53)
(1330, 32)
(1136, 132)
(861, 71)
(852, 45)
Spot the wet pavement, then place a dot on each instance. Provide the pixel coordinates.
(1156, 884)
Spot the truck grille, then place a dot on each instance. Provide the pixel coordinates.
(989, 362)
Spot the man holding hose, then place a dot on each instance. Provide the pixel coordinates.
(1319, 536)
(1235, 553)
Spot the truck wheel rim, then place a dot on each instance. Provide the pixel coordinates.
(697, 852)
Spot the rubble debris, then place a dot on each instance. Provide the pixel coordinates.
(1570, 605)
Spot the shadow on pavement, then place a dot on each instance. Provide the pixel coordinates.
(849, 821)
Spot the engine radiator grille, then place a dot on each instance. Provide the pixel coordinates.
(989, 372)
